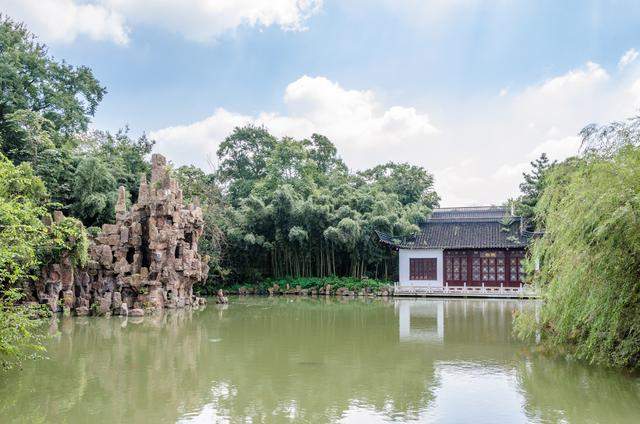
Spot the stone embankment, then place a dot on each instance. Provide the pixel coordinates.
(148, 260)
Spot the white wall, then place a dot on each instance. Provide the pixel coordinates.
(404, 256)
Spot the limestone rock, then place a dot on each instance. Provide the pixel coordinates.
(149, 256)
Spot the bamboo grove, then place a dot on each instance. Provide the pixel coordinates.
(291, 208)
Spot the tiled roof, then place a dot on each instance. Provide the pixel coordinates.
(464, 228)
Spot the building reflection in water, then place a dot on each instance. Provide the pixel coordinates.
(458, 320)
(420, 320)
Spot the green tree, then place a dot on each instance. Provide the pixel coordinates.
(126, 158)
(40, 95)
(532, 188)
(412, 184)
(302, 214)
(94, 192)
(243, 160)
(590, 251)
(26, 243)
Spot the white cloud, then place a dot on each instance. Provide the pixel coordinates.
(65, 20)
(627, 58)
(205, 20)
(197, 143)
(199, 20)
(557, 149)
(516, 128)
(478, 151)
(363, 130)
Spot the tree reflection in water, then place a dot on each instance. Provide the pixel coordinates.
(308, 360)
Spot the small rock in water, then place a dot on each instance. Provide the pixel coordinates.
(136, 312)
(222, 299)
(82, 311)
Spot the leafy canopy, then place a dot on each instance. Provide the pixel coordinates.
(590, 250)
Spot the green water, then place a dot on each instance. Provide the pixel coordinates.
(304, 360)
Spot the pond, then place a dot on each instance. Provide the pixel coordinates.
(311, 360)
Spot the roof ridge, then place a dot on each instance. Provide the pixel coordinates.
(472, 219)
(470, 207)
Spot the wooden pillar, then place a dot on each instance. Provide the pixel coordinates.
(507, 267)
(469, 255)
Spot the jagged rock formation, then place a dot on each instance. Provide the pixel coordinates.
(147, 260)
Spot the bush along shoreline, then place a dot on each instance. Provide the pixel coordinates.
(310, 286)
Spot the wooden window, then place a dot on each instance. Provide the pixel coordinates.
(423, 269)
(456, 264)
(501, 269)
(449, 268)
(516, 269)
(457, 268)
(476, 269)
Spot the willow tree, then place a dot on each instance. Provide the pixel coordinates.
(590, 251)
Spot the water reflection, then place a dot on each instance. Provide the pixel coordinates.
(420, 321)
(309, 360)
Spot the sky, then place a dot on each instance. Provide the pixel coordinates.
(471, 90)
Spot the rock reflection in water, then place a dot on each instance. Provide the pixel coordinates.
(310, 360)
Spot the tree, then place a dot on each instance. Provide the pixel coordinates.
(589, 254)
(194, 182)
(303, 214)
(40, 94)
(412, 184)
(323, 154)
(22, 199)
(243, 159)
(532, 188)
(26, 243)
(127, 159)
(94, 192)
(45, 108)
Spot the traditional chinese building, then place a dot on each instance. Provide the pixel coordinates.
(463, 247)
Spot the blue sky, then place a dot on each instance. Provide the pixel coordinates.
(472, 90)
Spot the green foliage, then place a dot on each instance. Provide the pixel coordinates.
(26, 243)
(532, 188)
(262, 286)
(412, 184)
(20, 335)
(42, 100)
(290, 208)
(243, 159)
(194, 182)
(590, 253)
(125, 157)
(22, 196)
(66, 237)
(94, 191)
